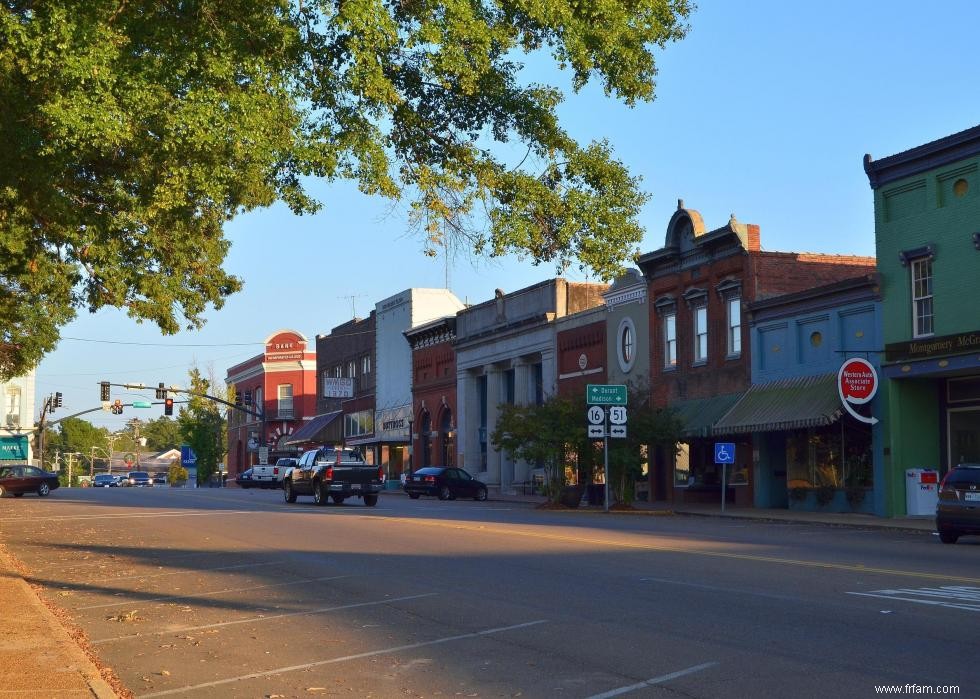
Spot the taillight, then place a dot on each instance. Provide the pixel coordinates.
(328, 474)
(430, 479)
(381, 473)
(275, 471)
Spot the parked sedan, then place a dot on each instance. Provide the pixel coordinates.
(18, 480)
(159, 478)
(244, 479)
(958, 510)
(105, 480)
(444, 483)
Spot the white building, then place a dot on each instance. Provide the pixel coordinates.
(17, 420)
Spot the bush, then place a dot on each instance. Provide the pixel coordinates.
(176, 474)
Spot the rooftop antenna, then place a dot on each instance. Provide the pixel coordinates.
(353, 312)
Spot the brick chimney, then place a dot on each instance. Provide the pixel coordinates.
(753, 237)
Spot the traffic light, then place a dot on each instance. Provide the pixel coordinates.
(58, 402)
(161, 390)
(238, 399)
(248, 396)
(104, 390)
(168, 406)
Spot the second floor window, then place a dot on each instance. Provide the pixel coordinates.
(285, 398)
(701, 334)
(922, 311)
(12, 418)
(734, 326)
(366, 364)
(670, 340)
(351, 369)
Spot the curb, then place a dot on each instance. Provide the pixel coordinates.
(898, 526)
(77, 658)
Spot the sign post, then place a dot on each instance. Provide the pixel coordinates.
(724, 455)
(597, 394)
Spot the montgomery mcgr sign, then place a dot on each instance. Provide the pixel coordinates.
(927, 348)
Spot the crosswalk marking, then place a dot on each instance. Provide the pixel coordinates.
(952, 596)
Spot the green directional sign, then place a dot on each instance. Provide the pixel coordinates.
(142, 404)
(605, 394)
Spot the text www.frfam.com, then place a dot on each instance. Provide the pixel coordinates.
(917, 689)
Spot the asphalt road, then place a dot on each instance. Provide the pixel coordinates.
(231, 593)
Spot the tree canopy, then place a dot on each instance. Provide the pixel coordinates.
(132, 131)
(203, 427)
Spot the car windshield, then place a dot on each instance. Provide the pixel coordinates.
(139, 474)
(430, 471)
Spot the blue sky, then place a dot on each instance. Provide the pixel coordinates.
(765, 110)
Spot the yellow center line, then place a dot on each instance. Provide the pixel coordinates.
(646, 546)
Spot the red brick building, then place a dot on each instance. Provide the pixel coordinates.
(698, 286)
(433, 423)
(580, 341)
(280, 384)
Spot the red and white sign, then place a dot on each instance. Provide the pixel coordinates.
(857, 383)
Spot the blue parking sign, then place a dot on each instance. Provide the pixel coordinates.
(724, 452)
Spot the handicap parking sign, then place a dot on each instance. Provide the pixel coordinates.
(724, 452)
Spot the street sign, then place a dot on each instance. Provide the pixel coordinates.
(857, 384)
(597, 431)
(724, 452)
(187, 456)
(596, 415)
(605, 394)
(142, 404)
(263, 455)
(617, 431)
(617, 415)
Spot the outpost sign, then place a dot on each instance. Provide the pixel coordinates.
(926, 348)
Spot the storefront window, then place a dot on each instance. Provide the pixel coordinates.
(838, 456)
(682, 464)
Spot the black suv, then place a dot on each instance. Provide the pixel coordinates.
(958, 511)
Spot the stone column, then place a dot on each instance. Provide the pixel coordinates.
(523, 395)
(549, 373)
(494, 397)
(468, 421)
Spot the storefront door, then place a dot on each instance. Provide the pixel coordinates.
(964, 435)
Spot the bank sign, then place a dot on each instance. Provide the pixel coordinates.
(857, 384)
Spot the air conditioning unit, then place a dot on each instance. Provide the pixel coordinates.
(13, 420)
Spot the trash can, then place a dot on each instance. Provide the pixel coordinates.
(921, 491)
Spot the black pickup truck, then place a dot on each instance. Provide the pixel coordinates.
(333, 473)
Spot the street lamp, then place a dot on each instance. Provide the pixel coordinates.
(411, 442)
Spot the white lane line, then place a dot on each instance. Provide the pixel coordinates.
(930, 602)
(727, 590)
(208, 594)
(651, 682)
(180, 572)
(255, 619)
(346, 658)
(142, 515)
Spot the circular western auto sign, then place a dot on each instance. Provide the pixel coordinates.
(857, 383)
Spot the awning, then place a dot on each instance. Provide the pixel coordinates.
(699, 415)
(311, 431)
(808, 401)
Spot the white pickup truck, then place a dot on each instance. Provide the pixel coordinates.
(270, 475)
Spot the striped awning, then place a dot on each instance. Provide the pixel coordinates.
(807, 401)
(700, 414)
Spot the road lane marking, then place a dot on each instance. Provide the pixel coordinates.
(140, 515)
(951, 596)
(208, 594)
(180, 572)
(346, 658)
(667, 548)
(728, 590)
(270, 617)
(651, 682)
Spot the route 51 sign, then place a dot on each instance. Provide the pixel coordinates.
(617, 415)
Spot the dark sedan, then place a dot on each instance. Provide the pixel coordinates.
(444, 483)
(18, 480)
(105, 480)
(244, 479)
(958, 510)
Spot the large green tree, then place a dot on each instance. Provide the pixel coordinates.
(161, 434)
(131, 131)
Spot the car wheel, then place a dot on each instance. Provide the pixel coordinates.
(287, 491)
(3, 491)
(43, 489)
(414, 496)
(337, 499)
(371, 500)
(948, 537)
(318, 495)
(481, 494)
(445, 493)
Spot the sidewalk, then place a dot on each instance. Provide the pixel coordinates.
(834, 519)
(38, 659)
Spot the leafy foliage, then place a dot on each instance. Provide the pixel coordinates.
(131, 132)
(203, 427)
(177, 474)
(161, 434)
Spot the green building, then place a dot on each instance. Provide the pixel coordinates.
(927, 235)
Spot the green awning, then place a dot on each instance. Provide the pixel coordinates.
(700, 414)
(808, 401)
